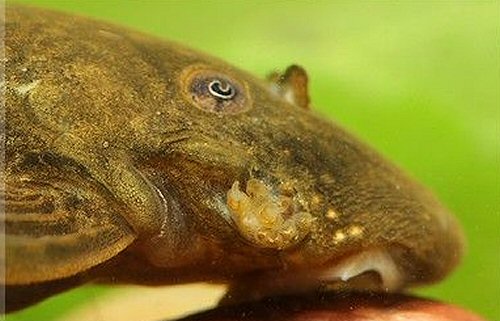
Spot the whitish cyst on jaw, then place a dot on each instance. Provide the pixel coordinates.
(265, 219)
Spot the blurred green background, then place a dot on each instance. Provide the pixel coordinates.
(418, 80)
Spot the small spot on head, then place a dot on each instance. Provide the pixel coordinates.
(327, 179)
(339, 236)
(331, 214)
(27, 88)
(355, 230)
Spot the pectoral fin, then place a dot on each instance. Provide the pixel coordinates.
(57, 224)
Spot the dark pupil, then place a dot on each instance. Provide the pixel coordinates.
(221, 90)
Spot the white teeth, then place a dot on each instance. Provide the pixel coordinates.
(372, 260)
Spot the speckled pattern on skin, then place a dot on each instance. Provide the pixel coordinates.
(116, 171)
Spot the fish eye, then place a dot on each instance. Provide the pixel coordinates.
(214, 91)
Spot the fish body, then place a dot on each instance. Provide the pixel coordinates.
(130, 159)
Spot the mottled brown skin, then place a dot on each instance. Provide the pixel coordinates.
(118, 163)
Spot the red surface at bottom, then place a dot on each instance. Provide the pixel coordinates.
(340, 307)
